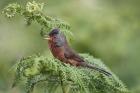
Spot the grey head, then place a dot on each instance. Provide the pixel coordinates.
(57, 37)
(54, 32)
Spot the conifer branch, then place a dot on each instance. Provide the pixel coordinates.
(33, 12)
(41, 68)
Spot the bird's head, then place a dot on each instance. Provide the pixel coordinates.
(56, 37)
(52, 35)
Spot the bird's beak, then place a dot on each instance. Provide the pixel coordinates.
(47, 38)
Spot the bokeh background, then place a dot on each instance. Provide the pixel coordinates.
(107, 29)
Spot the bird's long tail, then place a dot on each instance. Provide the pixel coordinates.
(97, 69)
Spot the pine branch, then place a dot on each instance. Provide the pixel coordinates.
(37, 68)
(33, 12)
(41, 68)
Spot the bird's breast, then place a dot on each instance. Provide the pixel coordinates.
(58, 52)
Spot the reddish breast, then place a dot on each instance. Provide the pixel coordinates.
(57, 52)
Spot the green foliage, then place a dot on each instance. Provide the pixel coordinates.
(40, 68)
(35, 69)
(32, 12)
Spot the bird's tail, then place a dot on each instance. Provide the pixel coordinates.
(97, 69)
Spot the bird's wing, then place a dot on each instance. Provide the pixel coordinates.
(70, 54)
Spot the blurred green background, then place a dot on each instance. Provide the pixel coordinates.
(107, 29)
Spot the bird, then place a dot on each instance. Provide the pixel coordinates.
(61, 50)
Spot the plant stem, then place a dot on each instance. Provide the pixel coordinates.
(63, 87)
(62, 84)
